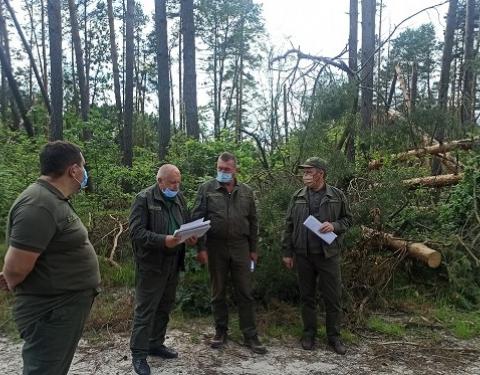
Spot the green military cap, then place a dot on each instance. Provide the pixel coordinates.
(314, 162)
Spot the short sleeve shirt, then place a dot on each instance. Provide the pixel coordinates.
(42, 220)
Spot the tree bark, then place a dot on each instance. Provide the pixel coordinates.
(447, 56)
(115, 69)
(463, 144)
(44, 46)
(353, 65)
(416, 250)
(15, 92)
(189, 70)
(413, 87)
(163, 78)
(468, 66)
(368, 52)
(82, 82)
(434, 181)
(129, 61)
(28, 49)
(56, 70)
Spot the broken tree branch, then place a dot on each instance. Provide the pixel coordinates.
(415, 249)
(434, 181)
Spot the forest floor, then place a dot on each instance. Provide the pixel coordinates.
(423, 351)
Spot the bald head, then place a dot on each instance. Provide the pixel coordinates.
(168, 176)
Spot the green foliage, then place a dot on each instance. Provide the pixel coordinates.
(18, 168)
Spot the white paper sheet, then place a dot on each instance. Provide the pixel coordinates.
(314, 225)
(195, 228)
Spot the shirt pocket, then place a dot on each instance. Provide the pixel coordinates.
(334, 209)
(216, 204)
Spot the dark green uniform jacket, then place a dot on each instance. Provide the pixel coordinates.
(149, 225)
(333, 208)
(233, 216)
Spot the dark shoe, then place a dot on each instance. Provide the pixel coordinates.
(337, 346)
(307, 342)
(255, 345)
(141, 366)
(219, 339)
(163, 352)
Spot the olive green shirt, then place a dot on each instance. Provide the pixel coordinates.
(42, 220)
(233, 216)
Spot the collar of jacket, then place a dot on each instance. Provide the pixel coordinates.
(219, 186)
(157, 195)
(328, 192)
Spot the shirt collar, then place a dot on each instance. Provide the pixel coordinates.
(51, 188)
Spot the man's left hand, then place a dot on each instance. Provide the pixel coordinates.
(326, 227)
(191, 241)
(254, 257)
(3, 283)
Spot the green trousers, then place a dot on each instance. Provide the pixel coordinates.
(154, 299)
(313, 269)
(51, 340)
(231, 260)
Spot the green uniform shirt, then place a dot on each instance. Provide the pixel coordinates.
(233, 216)
(315, 243)
(42, 220)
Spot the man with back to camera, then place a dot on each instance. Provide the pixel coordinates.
(159, 256)
(50, 264)
(314, 258)
(229, 247)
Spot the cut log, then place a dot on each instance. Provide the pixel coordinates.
(434, 181)
(416, 250)
(463, 144)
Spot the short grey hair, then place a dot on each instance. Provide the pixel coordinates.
(165, 170)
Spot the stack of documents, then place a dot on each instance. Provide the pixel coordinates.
(195, 228)
(314, 225)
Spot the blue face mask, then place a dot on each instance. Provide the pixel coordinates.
(84, 182)
(224, 177)
(170, 193)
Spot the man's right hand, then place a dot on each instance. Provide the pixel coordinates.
(171, 241)
(288, 262)
(202, 257)
(3, 283)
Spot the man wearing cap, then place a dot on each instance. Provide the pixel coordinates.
(314, 258)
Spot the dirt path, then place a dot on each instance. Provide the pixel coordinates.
(370, 356)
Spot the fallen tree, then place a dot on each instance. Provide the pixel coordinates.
(416, 250)
(462, 144)
(434, 181)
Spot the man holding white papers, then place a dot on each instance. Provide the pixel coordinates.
(316, 219)
(157, 212)
(229, 247)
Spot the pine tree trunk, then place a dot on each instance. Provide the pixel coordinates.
(28, 49)
(82, 82)
(189, 70)
(56, 70)
(163, 78)
(368, 49)
(468, 63)
(353, 65)
(129, 61)
(116, 70)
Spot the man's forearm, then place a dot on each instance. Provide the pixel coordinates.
(13, 278)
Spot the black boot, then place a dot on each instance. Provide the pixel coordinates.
(308, 342)
(163, 352)
(141, 366)
(337, 345)
(255, 345)
(219, 339)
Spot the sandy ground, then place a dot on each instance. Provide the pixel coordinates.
(372, 355)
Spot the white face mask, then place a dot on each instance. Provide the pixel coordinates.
(308, 180)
